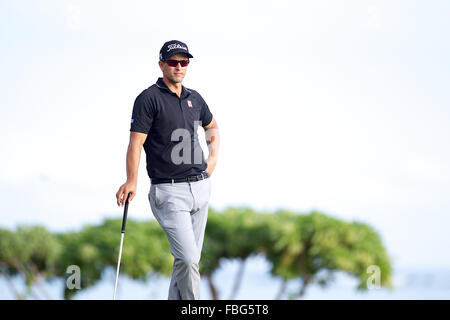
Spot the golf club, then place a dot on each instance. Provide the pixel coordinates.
(124, 222)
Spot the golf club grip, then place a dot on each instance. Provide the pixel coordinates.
(125, 212)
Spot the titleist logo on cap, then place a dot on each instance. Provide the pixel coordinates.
(175, 46)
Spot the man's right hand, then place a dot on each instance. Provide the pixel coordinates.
(123, 192)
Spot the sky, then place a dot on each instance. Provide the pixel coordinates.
(336, 106)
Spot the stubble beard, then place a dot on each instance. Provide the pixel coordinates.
(174, 79)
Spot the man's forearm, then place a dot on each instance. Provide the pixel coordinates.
(133, 158)
(137, 140)
(213, 141)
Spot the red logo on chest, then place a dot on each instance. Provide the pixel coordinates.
(189, 103)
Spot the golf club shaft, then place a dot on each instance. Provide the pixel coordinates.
(118, 265)
(124, 223)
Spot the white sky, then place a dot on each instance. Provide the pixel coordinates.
(339, 106)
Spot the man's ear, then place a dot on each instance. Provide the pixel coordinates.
(161, 64)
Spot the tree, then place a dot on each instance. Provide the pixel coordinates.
(307, 247)
(313, 247)
(31, 252)
(95, 248)
(234, 234)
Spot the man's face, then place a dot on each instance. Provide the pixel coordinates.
(174, 74)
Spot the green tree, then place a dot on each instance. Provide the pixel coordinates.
(234, 234)
(313, 247)
(30, 252)
(95, 248)
(307, 247)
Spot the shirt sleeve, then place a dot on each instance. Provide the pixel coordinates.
(142, 115)
(205, 114)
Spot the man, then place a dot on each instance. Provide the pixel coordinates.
(164, 121)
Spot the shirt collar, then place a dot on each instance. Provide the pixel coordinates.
(162, 85)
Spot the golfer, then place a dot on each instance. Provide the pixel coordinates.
(164, 121)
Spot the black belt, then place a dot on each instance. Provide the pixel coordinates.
(197, 177)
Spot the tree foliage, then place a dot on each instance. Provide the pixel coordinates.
(309, 248)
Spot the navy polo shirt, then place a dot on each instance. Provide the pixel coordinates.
(172, 147)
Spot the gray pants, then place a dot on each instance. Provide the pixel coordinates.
(182, 210)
